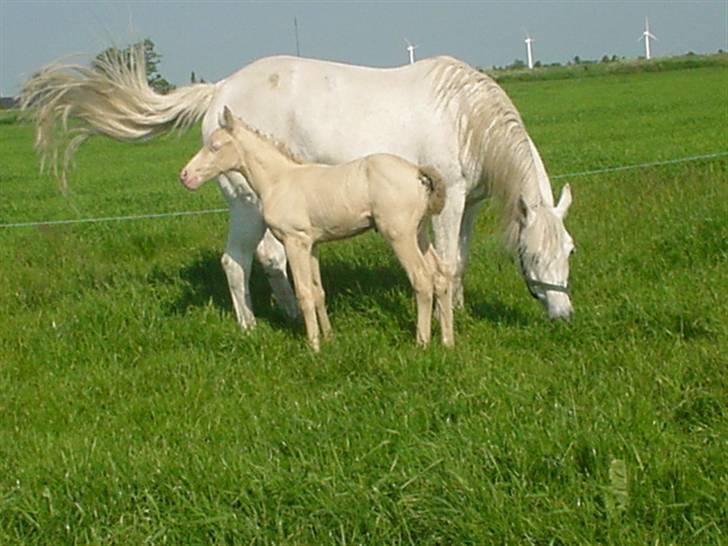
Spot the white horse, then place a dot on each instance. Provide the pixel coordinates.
(304, 204)
(438, 111)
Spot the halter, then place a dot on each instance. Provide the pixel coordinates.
(532, 283)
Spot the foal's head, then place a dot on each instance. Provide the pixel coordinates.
(221, 153)
(544, 248)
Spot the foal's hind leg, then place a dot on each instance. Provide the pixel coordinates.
(443, 288)
(443, 283)
(414, 263)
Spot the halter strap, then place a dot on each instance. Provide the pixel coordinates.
(533, 283)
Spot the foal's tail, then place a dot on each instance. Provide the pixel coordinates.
(435, 186)
(111, 97)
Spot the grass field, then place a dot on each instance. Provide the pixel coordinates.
(133, 411)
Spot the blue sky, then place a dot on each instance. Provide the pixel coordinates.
(214, 38)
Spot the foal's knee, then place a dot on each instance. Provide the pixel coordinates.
(442, 275)
(422, 282)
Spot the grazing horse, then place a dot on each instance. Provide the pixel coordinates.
(304, 204)
(437, 111)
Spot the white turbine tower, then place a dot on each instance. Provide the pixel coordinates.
(411, 50)
(646, 35)
(529, 49)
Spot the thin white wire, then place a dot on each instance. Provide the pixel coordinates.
(642, 165)
(114, 218)
(218, 211)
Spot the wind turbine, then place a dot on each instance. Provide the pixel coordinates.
(646, 35)
(529, 49)
(411, 49)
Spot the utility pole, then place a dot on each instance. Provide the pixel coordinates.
(295, 29)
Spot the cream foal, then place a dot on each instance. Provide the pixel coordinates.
(305, 204)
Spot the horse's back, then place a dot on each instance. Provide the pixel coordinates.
(332, 112)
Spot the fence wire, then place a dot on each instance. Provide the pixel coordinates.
(221, 210)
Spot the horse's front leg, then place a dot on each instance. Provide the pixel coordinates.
(244, 233)
(446, 228)
(464, 238)
(272, 256)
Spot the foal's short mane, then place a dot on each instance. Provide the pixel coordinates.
(495, 147)
(280, 146)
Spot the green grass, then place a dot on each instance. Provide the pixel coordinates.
(590, 69)
(132, 409)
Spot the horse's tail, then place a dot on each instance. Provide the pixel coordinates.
(436, 188)
(111, 97)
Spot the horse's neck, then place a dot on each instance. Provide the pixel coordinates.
(261, 161)
(536, 185)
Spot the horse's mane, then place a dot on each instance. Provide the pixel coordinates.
(495, 147)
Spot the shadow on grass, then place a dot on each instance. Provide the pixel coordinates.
(204, 282)
(495, 311)
(348, 285)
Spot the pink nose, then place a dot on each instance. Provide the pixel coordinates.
(186, 179)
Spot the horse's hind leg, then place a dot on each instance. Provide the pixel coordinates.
(272, 256)
(245, 231)
(414, 263)
(319, 294)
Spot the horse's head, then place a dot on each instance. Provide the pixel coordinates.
(544, 248)
(219, 154)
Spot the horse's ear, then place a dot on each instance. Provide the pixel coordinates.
(524, 212)
(564, 202)
(227, 118)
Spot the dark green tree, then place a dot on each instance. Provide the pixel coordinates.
(152, 58)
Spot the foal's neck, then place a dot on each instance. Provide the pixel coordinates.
(261, 162)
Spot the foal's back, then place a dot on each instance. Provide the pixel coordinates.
(339, 201)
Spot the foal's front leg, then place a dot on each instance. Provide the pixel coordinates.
(299, 257)
(319, 294)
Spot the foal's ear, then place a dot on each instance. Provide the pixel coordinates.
(227, 118)
(564, 202)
